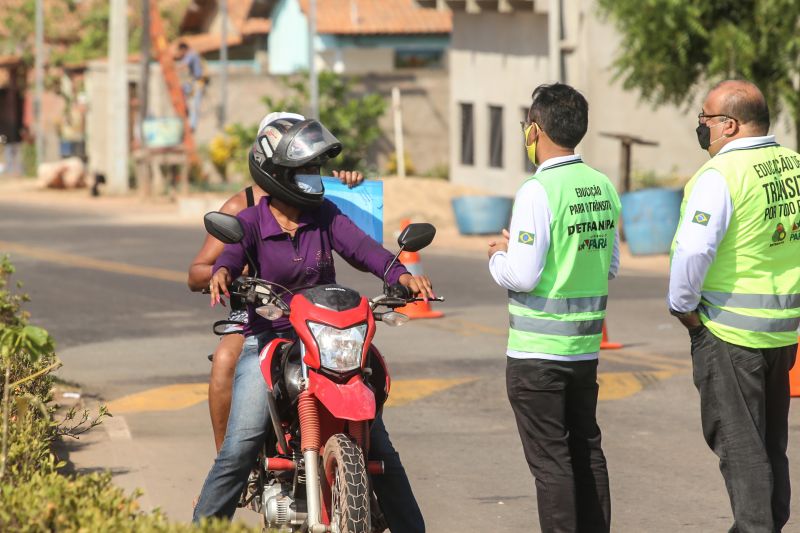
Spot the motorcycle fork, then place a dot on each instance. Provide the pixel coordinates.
(308, 412)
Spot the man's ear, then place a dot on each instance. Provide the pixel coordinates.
(731, 127)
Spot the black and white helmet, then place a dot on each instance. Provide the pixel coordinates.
(286, 146)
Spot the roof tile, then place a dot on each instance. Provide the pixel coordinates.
(373, 17)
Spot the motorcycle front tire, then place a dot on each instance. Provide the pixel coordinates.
(346, 472)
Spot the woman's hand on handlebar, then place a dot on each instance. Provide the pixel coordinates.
(418, 285)
(219, 285)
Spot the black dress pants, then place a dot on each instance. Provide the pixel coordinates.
(744, 408)
(555, 404)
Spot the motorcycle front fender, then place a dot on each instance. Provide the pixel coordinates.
(349, 401)
(265, 359)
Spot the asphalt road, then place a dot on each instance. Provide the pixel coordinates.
(125, 325)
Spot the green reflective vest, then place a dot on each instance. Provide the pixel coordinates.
(751, 294)
(564, 313)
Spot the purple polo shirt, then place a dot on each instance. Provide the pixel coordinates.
(306, 259)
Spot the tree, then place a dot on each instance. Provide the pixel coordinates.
(669, 47)
(75, 31)
(351, 117)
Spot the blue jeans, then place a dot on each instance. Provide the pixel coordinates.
(248, 424)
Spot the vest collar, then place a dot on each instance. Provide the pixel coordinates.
(746, 143)
(559, 161)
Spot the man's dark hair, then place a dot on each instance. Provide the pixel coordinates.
(561, 111)
(746, 103)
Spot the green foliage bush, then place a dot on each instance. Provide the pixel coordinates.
(48, 501)
(34, 496)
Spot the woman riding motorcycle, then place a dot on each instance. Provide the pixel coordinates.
(223, 363)
(291, 236)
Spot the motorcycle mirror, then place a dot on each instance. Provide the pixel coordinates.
(226, 228)
(415, 237)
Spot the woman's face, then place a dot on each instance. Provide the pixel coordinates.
(309, 170)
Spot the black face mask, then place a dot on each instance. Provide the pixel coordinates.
(703, 136)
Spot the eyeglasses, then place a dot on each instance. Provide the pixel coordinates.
(702, 117)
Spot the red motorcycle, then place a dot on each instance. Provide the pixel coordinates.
(325, 390)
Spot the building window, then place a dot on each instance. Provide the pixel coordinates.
(418, 58)
(526, 163)
(495, 136)
(467, 135)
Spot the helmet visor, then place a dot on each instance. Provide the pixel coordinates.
(309, 183)
(307, 142)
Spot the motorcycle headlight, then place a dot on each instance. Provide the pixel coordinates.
(339, 349)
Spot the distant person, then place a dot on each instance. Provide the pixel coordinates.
(735, 285)
(193, 78)
(556, 261)
(11, 131)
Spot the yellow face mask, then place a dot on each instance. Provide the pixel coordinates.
(531, 147)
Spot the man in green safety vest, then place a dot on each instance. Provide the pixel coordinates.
(555, 261)
(735, 285)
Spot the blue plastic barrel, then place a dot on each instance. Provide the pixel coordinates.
(482, 215)
(650, 218)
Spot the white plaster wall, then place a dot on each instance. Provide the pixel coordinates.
(495, 59)
(350, 60)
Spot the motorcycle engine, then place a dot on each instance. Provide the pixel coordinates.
(280, 509)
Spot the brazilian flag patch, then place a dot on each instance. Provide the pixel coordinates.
(701, 218)
(526, 237)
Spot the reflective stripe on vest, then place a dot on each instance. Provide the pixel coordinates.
(752, 301)
(562, 328)
(750, 323)
(561, 306)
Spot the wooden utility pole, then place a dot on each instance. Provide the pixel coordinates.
(399, 149)
(118, 105)
(313, 80)
(38, 68)
(223, 61)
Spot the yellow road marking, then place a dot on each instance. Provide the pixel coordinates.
(405, 391)
(169, 398)
(613, 386)
(74, 260)
(183, 395)
(617, 385)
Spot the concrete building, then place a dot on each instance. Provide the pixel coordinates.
(502, 49)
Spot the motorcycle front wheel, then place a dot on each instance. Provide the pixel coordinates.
(346, 474)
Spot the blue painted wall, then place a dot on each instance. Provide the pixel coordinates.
(288, 39)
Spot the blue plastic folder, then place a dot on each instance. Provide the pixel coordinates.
(363, 204)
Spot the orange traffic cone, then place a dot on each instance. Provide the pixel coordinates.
(794, 377)
(413, 263)
(605, 344)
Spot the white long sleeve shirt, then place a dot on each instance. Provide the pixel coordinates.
(696, 242)
(520, 268)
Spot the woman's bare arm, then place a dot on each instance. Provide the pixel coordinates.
(200, 269)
